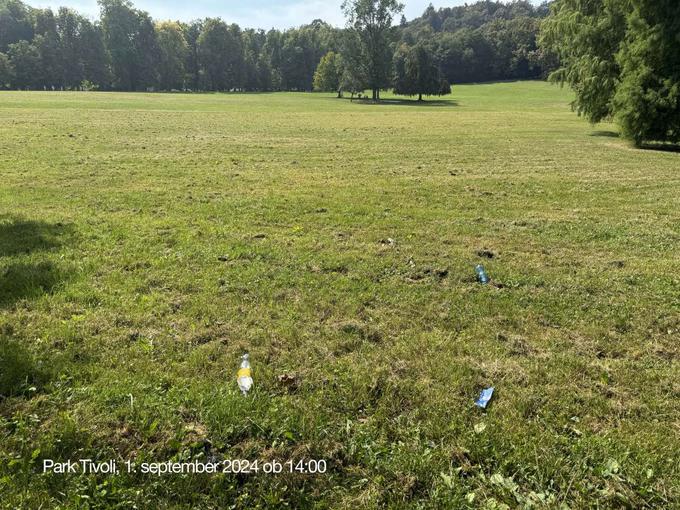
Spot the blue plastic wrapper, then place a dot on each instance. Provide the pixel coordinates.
(484, 398)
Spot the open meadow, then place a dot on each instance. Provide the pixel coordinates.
(148, 240)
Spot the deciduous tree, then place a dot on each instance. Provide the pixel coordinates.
(48, 44)
(328, 74)
(25, 60)
(352, 81)
(173, 51)
(15, 23)
(6, 71)
(130, 39)
(220, 54)
(70, 46)
(95, 58)
(369, 37)
(417, 72)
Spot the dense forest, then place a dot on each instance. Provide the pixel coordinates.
(128, 50)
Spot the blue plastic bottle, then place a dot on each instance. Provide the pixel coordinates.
(482, 277)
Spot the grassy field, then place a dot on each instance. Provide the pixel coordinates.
(148, 240)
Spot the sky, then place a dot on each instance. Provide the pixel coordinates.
(264, 14)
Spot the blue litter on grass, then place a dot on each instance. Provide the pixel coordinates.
(482, 276)
(484, 398)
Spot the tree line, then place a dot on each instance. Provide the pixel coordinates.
(484, 41)
(127, 50)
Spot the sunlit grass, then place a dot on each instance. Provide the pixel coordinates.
(148, 240)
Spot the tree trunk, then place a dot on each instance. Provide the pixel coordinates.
(420, 97)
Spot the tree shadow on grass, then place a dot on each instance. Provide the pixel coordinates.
(18, 370)
(19, 236)
(29, 279)
(605, 134)
(648, 146)
(661, 147)
(441, 103)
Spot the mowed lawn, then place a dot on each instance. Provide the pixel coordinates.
(148, 240)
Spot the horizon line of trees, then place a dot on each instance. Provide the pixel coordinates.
(127, 50)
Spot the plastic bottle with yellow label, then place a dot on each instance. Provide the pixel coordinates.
(244, 375)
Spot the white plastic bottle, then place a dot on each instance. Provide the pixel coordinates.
(244, 375)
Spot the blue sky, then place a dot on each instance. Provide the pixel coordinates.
(247, 13)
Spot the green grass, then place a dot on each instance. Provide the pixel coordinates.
(123, 327)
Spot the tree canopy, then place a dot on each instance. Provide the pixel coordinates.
(416, 72)
(369, 37)
(586, 36)
(328, 75)
(647, 100)
(173, 51)
(622, 58)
